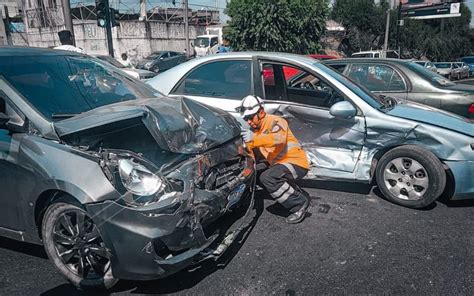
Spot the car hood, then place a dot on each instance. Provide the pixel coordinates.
(433, 116)
(178, 125)
(144, 61)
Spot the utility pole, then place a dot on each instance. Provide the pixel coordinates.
(186, 26)
(68, 19)
(108, 28)
(7, 26)
(387, 30)
(399, 24)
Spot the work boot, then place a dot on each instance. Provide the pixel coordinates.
(299, 215)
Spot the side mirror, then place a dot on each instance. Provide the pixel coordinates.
(162, 58)
(3, 120)
(343, 109)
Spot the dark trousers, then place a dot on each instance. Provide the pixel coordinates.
(279, 181)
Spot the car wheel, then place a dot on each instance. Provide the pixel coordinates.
(75, 246)
(410, 176)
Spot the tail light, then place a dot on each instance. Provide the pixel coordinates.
(471, 109)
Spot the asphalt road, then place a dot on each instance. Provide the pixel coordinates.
(354, 242)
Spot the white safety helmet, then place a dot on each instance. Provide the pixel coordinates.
(249, 106)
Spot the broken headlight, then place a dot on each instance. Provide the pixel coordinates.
(137, 179)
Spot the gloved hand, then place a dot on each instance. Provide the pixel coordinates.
(247, 135)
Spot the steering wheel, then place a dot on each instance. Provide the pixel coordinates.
(308, 85)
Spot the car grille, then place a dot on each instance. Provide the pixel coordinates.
(221, 174)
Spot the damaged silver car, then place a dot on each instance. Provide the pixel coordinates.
(415, 152)
(115, 182)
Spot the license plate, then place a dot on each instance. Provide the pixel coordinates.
(235, 195)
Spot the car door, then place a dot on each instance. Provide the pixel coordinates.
(164, 61)
(14, 179)
(220, 83)
(333, 145)
(379, 79)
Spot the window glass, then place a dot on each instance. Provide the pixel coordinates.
(306, 88)
(214, 41)
(172, 53)
(376, 77)
(61, 85)
(226, 79)
(269, 81)
(338, 67)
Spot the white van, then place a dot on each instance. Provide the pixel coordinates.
(376, 54)
(206, 44)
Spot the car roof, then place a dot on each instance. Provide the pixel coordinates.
(367, 60)
(180, 70)
(20, 51)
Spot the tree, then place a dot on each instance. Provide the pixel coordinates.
(364, 22)
(436, 39)
(277, 25)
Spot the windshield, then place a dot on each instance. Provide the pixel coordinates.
(202, 42)
(359, 90)
(469, 60)
(431, 76)
(111, 61)
(154, 55)
(443, 65)
(60, 86)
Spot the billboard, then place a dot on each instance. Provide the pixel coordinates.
(428, 9)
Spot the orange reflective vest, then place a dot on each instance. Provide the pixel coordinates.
(277, 143)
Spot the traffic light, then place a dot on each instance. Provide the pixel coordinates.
(101, 9)
(114, 17)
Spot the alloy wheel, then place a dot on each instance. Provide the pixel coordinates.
(79, 245)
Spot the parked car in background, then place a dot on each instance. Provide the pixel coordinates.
(428, 65)
(347, 132)
(135, 73)
(376, 54)
(448, 70)
(322, 57)
(470, 62)
(160, 61)
(114, 182)
(407, 80)
(463, 69)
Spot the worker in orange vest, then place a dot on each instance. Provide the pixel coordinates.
(269, 137)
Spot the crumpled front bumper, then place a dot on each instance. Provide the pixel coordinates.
(150, 242)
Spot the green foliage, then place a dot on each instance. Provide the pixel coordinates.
(364, 22)
(445, 39)
(277, 25)
(437, 39)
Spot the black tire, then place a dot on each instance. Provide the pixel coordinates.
(410, 176)
(63, 235)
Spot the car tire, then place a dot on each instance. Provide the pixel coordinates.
(410, 176)
(69, 237)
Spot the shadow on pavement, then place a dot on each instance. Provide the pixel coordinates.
(22, 247)
(182, 280)
(351, 187)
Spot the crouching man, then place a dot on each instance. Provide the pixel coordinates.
(272, 138)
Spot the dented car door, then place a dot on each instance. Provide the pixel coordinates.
(332, 144)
